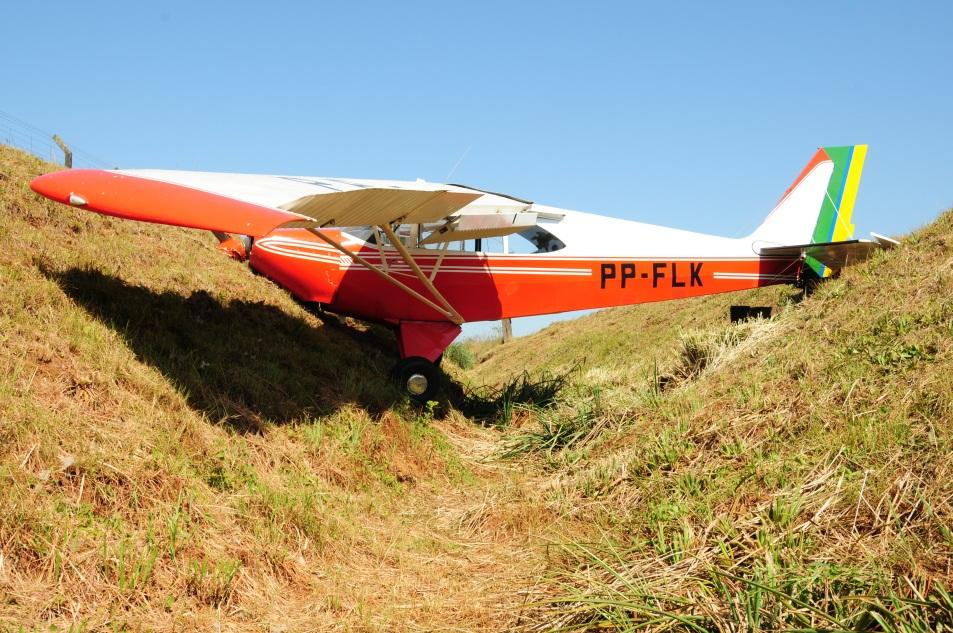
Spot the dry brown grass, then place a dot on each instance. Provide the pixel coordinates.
(182, 446)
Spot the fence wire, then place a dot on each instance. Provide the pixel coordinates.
(20, 134)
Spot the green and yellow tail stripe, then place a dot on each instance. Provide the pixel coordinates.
(833, 221)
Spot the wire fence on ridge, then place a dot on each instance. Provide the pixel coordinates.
(18, 133)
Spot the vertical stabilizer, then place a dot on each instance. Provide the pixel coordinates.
(818, 207)
(834, 221)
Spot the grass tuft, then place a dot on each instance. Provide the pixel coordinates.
(460, 355)
(552, 432)
(607, 591)
(495, 405)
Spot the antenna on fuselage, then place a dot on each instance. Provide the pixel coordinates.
(457, 164)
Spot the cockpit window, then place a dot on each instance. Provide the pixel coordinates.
(543, 240)
(363, 233)
(532, 240)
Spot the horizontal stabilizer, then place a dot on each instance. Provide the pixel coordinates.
(835, 255)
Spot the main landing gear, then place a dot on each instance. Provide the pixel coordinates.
(421, 345)
(418, 378)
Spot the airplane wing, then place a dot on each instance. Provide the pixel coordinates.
(834, 255)
(253, 204)
(372, 206)
(468, 226)
(134, 197)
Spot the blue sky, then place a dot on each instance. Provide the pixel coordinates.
(695, 115)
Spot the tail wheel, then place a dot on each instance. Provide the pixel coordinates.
(418, 378)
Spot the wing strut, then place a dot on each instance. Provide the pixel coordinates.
(436, 264)
(447, 311)
(409, 259)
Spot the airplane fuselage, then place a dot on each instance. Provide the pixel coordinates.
(491, 286)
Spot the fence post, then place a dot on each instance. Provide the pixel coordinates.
(67, 152)
(507, 324)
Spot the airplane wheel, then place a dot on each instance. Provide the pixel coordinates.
(418, 378)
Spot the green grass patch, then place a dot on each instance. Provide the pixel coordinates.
(495, 405)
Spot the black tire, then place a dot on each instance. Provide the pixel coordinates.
(418, 378)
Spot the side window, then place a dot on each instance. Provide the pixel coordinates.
(543, 240)
(533, 240)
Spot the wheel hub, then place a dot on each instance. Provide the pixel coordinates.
(417, 384)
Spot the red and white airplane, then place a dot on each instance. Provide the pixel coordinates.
(392, 252)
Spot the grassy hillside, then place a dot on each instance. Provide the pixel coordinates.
(620, 345)
(183, 446)
(786, 473)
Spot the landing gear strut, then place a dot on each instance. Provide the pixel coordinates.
(418, 378)
(421, 344)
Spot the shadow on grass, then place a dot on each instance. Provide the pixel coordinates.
(494, 406)
(246, 363)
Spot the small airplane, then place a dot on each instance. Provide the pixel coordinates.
(411, 255)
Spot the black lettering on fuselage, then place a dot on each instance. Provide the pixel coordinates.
(606, 271)
(628, 272)
(675, 282)
(657, 273)
(696, 274)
